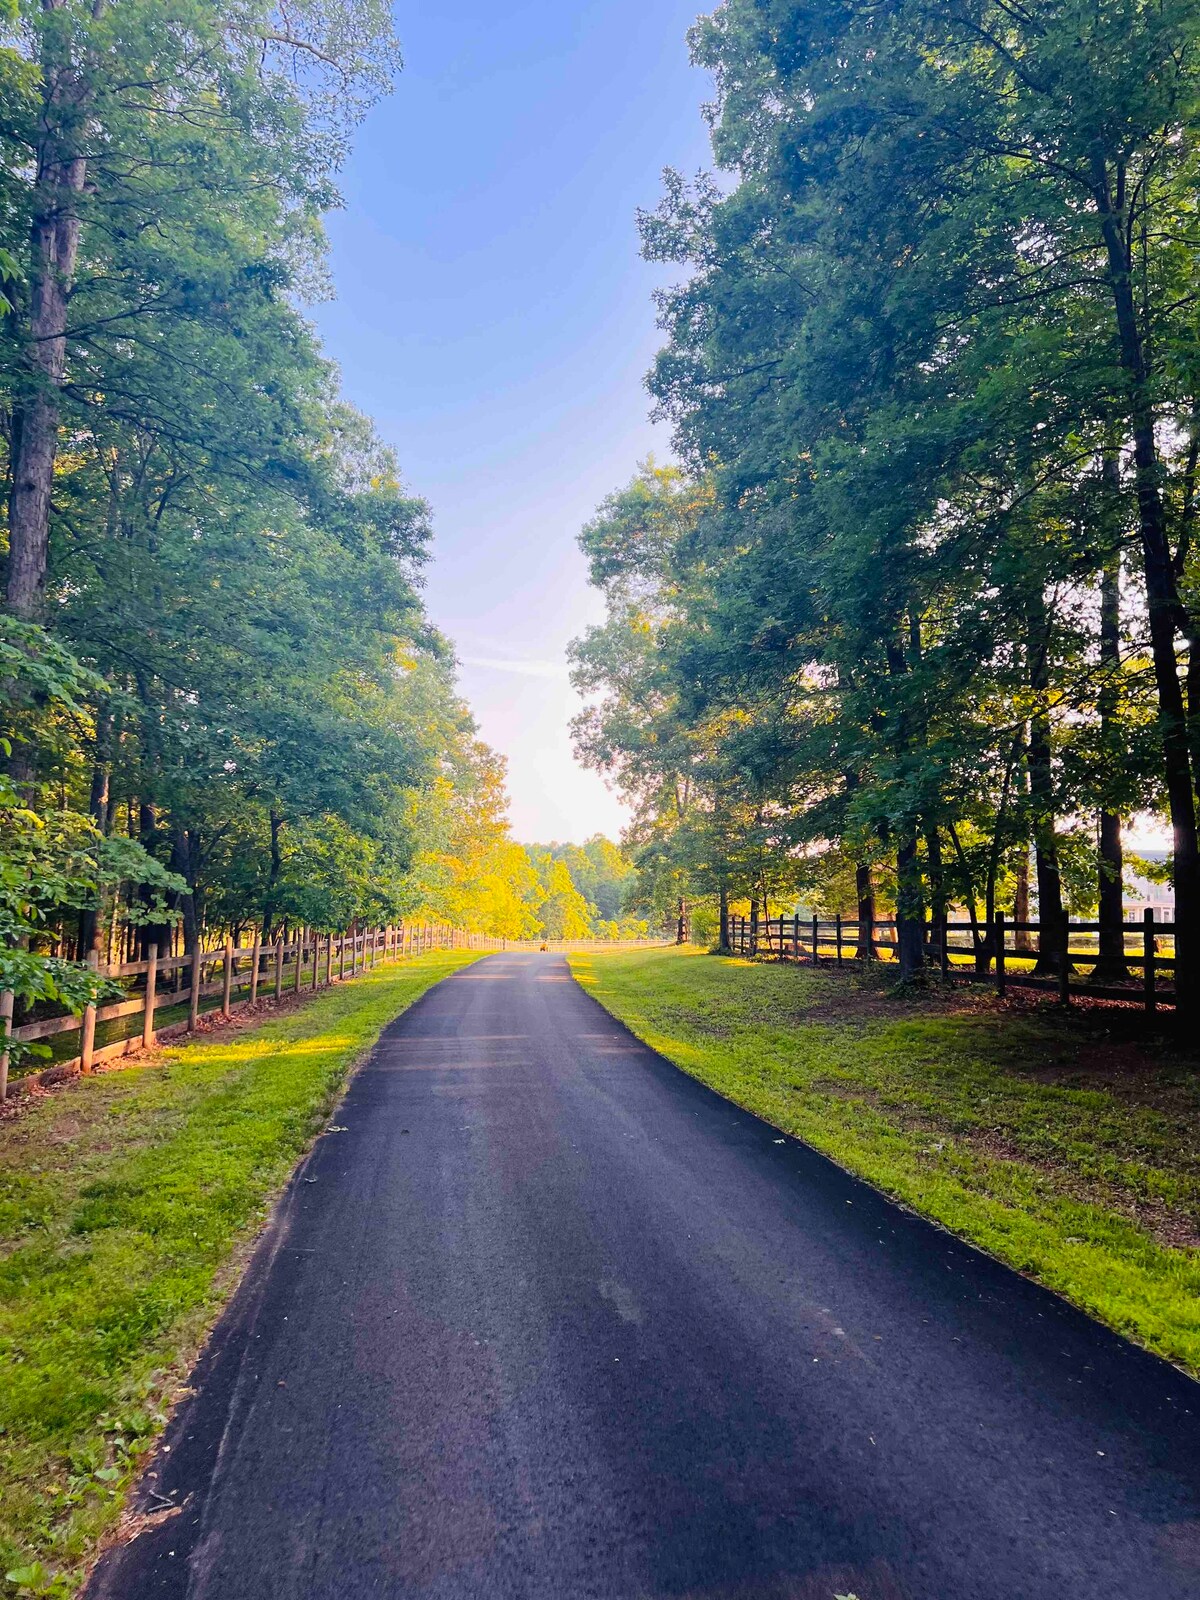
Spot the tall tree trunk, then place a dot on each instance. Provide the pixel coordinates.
(1041, 790)
(682, 932)
(910, 911)
(1165, 610)
(100, 811)
(938, 899)
(910, 900)
(1021, 900)
(864, 889)
(723, 924)
(1111, 967)
(61, 173)
(270, 897)
(183, 863)
(151, 933)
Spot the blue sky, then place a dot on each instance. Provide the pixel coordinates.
(493, 316)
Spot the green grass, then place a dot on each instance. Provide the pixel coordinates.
(1065, 1146)
(127, 1204)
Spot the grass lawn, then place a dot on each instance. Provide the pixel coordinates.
(127, 1205)
(1065, 1145)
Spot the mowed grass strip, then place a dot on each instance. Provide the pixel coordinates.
(127, 1203)
(1061, 1146)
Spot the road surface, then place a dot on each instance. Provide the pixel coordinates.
(548, 1320)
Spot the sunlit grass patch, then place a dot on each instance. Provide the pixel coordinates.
(1067, 1153)
(125, 1203)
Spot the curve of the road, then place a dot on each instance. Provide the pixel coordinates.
(549, 1320)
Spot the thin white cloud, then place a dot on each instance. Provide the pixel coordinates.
(525, 669)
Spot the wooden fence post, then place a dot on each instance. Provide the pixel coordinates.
(328, 960)
(87, 1029)
(296, 976)
(316, 971)
(839, 938)
(944, 955)
(150, 996)
(796, 936)
(342, 959)
(1064, 964)
(999, 938)
(6, 1016)
(255, 966)
(815, 950)
(227, 978)
(278, 967)
(194, 999)
(1149, 991)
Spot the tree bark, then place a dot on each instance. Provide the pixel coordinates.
(910, 911)
(1041, 790)
(938, 898)
(61, 173)
(183, 863)
(910, 902)
(864, 889)
(99, 810)
(1021, 900)
(1111, 967)
(1165, 610)
(723, 924)
(276, 868)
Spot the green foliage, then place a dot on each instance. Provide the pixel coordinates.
(923, 589)
(232, 710)
(60, 860)
(585, 890)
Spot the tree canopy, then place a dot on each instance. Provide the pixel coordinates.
(222, 705)
(921, 596)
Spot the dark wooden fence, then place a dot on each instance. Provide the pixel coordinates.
(1003, 953)
(237, 976)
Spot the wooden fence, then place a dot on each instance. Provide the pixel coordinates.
(239, 975)
(1000, 953)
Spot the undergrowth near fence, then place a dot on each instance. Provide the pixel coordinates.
(127, 1204)
(1065, 1145)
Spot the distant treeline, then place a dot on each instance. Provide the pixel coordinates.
(589, 891)
(917, 619)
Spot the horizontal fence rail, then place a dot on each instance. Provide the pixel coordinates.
(238, 976)
(1020, 955)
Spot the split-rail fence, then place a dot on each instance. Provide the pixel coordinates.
(1004, 953)
(237, 976)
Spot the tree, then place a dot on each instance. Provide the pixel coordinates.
(901, 379)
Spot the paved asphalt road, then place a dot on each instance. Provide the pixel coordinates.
(550, 1321)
